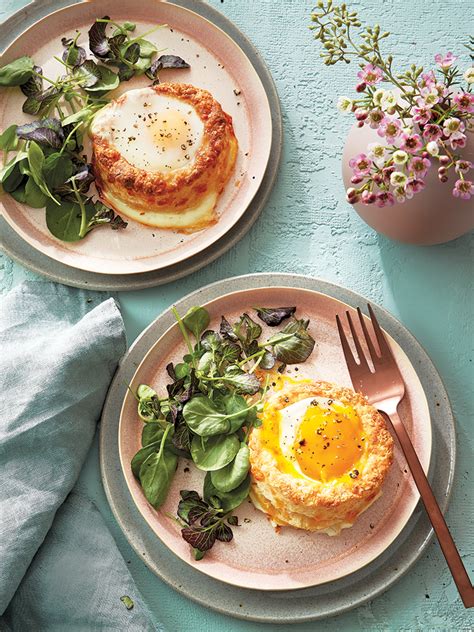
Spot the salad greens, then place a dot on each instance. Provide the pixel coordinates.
(49, 169)
(212, 404)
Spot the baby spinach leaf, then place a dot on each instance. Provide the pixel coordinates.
(9, 139)
(36, 164)
(152, 432)
(98, 42)
(57, 169)
(196, 321)
(18, 194)
(142, 454)
(12, 179)
(235, 404)
(16, 72)
(156, 474)
(203, 418)
(273, 316)
(214, 452)
(10, 174)
(228, 500)
(293, 344)
(233, 474)
(64, 221)
(34, 197)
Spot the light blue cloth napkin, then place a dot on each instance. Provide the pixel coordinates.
(59, 348)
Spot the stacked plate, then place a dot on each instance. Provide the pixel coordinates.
(291, 575)
(222, 61)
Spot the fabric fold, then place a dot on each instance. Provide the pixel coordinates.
(59, 348)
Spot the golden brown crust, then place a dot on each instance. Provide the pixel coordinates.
(174, 191)
(312, 504)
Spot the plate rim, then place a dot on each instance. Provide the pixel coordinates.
(60, 13)
(19, 250)
(416, 538)
(189, 561)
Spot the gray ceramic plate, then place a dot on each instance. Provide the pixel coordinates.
(296, 605)
(18, 248)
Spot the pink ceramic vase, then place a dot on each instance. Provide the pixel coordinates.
(432, 216)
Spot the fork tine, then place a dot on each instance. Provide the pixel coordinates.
(368, 339)
(355, 338)
(383, 344)
(350, 360)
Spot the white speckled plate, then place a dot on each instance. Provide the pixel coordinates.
(218, 64)
(260, 557)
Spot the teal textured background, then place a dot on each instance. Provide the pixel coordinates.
(308, 228)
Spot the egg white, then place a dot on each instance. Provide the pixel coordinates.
(151, 131)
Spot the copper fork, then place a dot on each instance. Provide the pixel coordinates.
(384, 388)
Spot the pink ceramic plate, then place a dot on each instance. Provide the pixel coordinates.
(217, 65)
(258, 557)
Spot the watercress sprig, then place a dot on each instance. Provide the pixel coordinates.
(212, 405)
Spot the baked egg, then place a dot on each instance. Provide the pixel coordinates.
(163, 154)
(320, 456)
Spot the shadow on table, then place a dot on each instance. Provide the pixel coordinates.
(431, 288)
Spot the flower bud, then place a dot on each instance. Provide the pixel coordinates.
(351, 193)
(360, 124)
(360, 87)
(444, 160)
(441, 171)
(361, 114)
(356, 179)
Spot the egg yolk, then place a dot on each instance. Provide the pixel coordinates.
(170, 131)
(328, 443)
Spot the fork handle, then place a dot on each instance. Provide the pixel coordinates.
(445, 539)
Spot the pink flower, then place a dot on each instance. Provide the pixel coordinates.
(400, 194)
(385, 198)
(463, 166)
(361, 165)
(429, 97)
(432, 132)
(387, 172)
(463, 189)
(414, 185)
(419, 166)
(411, 143)
(428, 79)
(465, 102)
(446, 61)
(421, 115)
(370, 74)
(390, 129)
(375, 118)
(457, 140)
